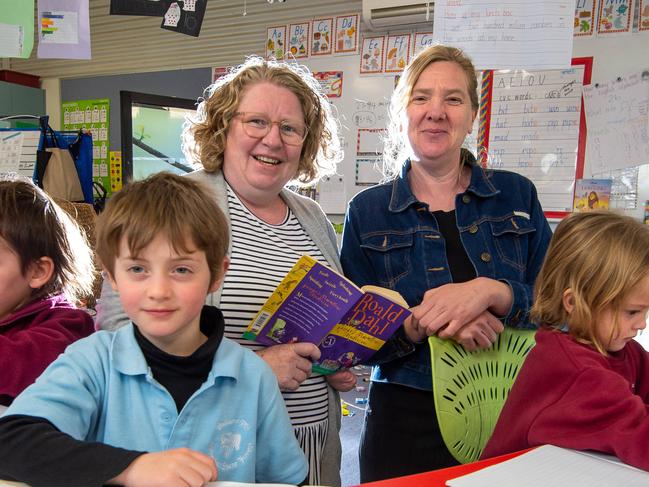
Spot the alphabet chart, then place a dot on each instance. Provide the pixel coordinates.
(532, 122)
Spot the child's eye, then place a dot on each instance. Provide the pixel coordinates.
(136, 269)
(183, 270)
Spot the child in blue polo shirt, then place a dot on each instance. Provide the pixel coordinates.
(166, 400)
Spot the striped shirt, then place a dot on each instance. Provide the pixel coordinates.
(261, 256)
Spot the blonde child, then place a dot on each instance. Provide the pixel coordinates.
(45, 266)
(165, 400)
(585, 385)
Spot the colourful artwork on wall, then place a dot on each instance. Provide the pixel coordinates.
(584, 17)
(276, 42)
(643, 19)
(321, 31)
(615, 16)
(331, 82)
(397, 53)
(346, 34)
(298, 40)
(372, 55)
(422, 41)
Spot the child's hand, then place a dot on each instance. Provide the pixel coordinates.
(343, 380)
(181, 467)
(291, 362)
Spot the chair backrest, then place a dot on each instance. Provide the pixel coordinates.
(470, 388)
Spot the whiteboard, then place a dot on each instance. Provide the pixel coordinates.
(362, 108)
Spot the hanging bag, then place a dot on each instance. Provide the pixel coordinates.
(56, 170)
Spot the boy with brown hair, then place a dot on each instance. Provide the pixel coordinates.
(166, 400)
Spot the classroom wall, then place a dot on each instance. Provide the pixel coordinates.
(173, 64)
(181, 83)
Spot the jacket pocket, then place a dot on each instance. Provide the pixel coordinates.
(511, 237)
(390, 255)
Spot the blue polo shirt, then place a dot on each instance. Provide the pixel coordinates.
(101, 389)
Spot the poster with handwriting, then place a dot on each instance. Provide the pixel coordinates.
(298, 40)
(615, 16)
(422, 41)
(618, 121)
(643, 19)
(321, 30)
(276, 42)
(346, 34)
(397, 53)
(584, 17)
(372, 55)
(533, 126)
(508, 35)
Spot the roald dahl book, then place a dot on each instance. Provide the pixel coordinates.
(314, 303)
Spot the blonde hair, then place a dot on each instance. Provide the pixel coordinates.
(34, 226)
(600, 256)
(395, 148)
(204, 136)
(163, 204)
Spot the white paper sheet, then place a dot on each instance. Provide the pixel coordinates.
(557, 467)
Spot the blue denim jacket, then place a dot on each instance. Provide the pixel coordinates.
(391, 239)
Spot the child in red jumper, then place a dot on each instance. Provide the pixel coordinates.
(45, 264)
(585, 385)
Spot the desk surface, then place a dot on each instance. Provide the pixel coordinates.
(438, 478)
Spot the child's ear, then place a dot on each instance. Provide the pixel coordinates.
(219, 279)
(568, 299)
(40, 272)
(111, 280)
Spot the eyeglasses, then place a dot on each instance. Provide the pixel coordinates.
(258, 126)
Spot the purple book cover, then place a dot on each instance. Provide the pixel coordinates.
(361, 332)
(316, 304)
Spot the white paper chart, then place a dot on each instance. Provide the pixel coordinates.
(533, 129)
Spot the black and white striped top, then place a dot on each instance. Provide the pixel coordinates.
(261, 256)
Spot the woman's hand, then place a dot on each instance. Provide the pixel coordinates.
(181, 467)
(343, 380)
(291, 362)
(452, 306)
(477, 334)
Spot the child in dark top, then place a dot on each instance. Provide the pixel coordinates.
(166, 400)
(586, 388)
(45, 265)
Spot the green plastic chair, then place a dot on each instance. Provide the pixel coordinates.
(470, 388)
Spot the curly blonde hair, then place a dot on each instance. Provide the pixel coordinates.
(395, 147)
(600, 256)
(204, 136)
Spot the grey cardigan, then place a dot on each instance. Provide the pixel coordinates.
(110, 314)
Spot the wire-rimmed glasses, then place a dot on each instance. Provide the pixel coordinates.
(257, 125)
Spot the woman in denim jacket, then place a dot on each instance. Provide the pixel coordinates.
(463, 246)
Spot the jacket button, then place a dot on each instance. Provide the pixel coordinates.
(473, 229)
(466, 198)
(485, 257)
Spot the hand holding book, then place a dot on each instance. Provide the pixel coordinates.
(316, 304)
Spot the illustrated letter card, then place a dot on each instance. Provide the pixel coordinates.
(643, 20)
(422, 41)
(372, 55)
(298, 40)
(584, 17)
(615, 16)
(397, 53)
(321, 36)
(346, 34)
(275, 42)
